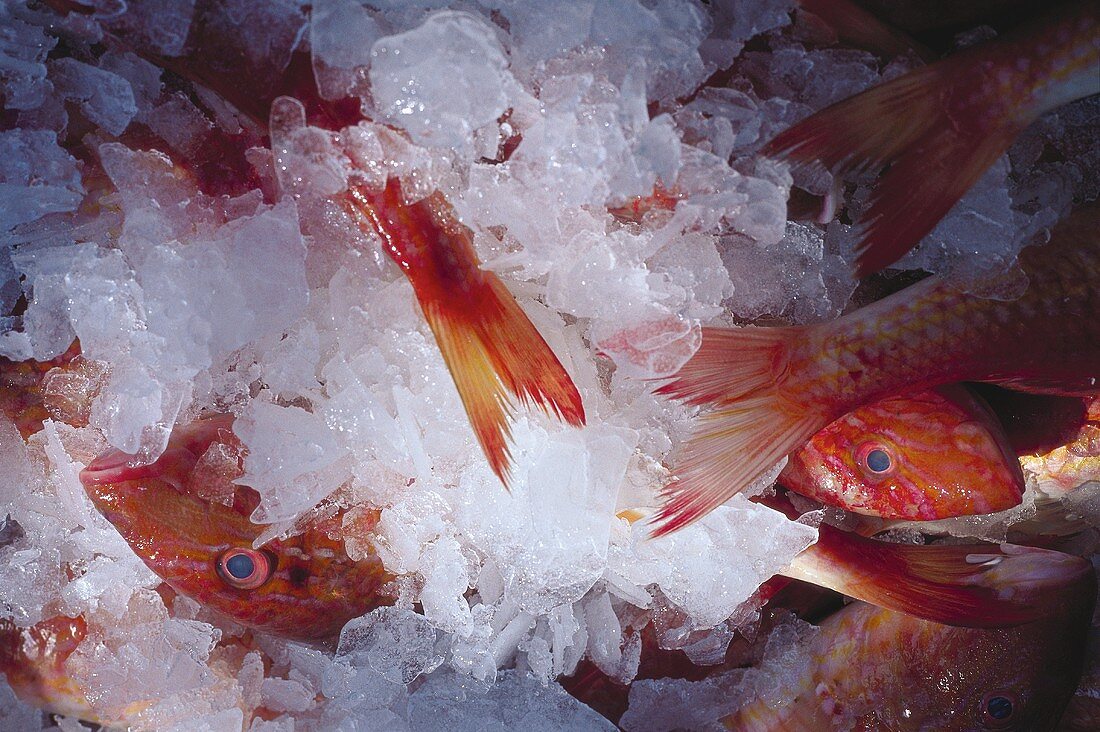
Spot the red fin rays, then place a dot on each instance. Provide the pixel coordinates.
(934, 155)
(490, 346)
(979, 586)
(743, 372)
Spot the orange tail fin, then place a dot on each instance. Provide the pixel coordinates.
(934, 131)
(977, 586)
(742, 372)
(490, 346)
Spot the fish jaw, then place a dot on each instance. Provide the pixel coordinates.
(185, 447)
(948, 457)
(311, 586)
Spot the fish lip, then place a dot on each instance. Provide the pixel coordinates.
(107, 468)
(186, 445)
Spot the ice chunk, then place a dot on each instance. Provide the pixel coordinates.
(441, 98)
(105, 98)
(446, 580)
(394, 642)
(653, 349)
(694, 566)
(23, 50)
(549, 537)
(37, 177)
(516, 701)
(292, 461)
(15, 714)
(157, 26)
(307, 160)
(664, 705)
(341, 34)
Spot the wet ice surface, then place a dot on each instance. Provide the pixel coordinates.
(271, 304)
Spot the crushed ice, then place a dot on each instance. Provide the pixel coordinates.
(267, 302)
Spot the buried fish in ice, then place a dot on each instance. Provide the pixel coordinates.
(871, 668)
(918, 457)
(939, 127)
(200, 543)
(771, 389)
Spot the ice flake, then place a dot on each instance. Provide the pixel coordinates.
(694, 567)
(105, 98)
(441, 99)
(23, 50)
(159, 26)
(341, 35)
(397, 643)
(292, 460)
(37, 177)
(516, 701)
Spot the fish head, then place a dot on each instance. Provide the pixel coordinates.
(918, 457)
(932, 676)
(190, 524)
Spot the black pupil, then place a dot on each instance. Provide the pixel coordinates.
(999, 707)
(240, 566)
(878, 460)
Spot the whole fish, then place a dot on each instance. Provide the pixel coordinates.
(773, 388)
(490, 346)
(935, 454)
(939, 127)
(304, 587)
(874, 669)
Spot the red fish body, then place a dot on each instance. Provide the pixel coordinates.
(303, 587)
(941, 126)
(875, 669)
(773, 388)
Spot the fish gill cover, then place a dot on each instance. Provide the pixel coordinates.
(192, 244)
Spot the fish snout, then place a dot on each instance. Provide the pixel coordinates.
(186, 445)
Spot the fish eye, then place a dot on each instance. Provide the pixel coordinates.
(245, 569)
(998, 709)
(876, 459)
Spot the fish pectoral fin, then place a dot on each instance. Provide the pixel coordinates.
(966, 585)
(934, 157)
(494, 352)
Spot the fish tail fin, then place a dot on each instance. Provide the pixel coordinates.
(492, 350)
(935, 154)
(976, 586)
(743, 373)
(854, 25)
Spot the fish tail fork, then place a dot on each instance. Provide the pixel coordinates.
(742, 372)
(493, 350)
(933, 132)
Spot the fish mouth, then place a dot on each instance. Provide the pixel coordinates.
(186, 445)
